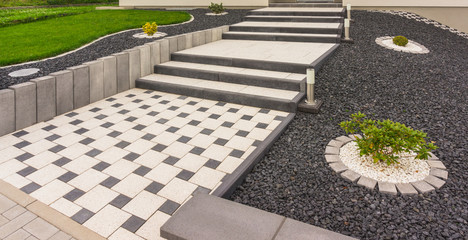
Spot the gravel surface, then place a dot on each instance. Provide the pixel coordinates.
(428, 92)
(118, 43)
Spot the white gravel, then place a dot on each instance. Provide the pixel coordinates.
(411, 47)
(144, 35)
(408, 170)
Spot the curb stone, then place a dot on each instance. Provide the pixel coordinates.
(436, 179)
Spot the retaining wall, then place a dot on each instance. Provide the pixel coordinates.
(190, 3)
(41, 99)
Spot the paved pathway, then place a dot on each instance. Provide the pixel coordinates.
(123, 165)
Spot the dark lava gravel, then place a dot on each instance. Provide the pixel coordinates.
(118, 43)
(427, 92)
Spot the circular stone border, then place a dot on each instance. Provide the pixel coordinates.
(144, 35)
(435, 180)
(216, 14)
(24, 72)
(382, 42)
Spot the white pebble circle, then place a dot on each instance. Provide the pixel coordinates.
(144, 35)
(216, 14)
(24, 72)
(411, 47)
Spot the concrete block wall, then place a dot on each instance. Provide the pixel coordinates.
(43, 98)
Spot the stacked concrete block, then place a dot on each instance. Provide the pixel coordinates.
(134, 65)
(25, 104)
(7, 110)
(155, 54)
(96, 80)
(109, 75)
(64, 91)
(45, 91)
(172, 44)
(145, 60)
(123, 71)
(164, 50)
(181, 42)
(80, 85)
(208, 35)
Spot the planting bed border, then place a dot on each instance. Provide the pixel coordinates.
(380, 41)
(435, 180)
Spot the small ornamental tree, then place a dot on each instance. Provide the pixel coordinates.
(384, 140)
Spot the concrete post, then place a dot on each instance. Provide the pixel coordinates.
(109, 75)
(155, 54)
(25, 104)
(80, 86)
(46, 105)
(164, 49)
(145, 60)
(123, 71)
(172, 44)
(181, 42)
(96, 80)
(208, 35)
(134, 65)
(64, 91)
(7, 110)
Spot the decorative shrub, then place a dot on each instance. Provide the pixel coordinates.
(216, 8)
(400, 41)
(383, 140)
(150, 28)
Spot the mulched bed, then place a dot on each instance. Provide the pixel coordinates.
(428, 92)
(118, 43)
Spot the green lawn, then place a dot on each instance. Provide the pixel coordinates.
(18, 3)
(42, 39)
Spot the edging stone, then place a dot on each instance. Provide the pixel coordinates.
(435, 180)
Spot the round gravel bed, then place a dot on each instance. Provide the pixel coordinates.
(118, 43)
(425, 91)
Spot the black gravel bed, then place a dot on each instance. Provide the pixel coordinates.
(118, 43)
(427, 92)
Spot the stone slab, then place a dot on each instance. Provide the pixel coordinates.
(334, 143)
(134, 64)
(436, 164)
(173, 42)
(208, 35)
(24, 72)
(338, 167)
(344, 139)
(109, 75)
(80, 85)
(332, 150)
(145, 60)
(350, 175)
(155, 54)
(198, 38)
(25, 104)
(7, 108)
(123, 71)
(207, 217)
(367, 182)
(386, 187)
(165, 54)
(332, 158)
(63, 91)
(96, 80)
(46, 105)
(422, 186)
(181, 42)
(439, 173)
(293, 229)
(406, 189)
(434, 181)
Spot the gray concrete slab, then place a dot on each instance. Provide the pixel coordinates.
(165, 54)
(96, 80)
(145, 60)
(155, 54)
(207, 217)
(7, 108)
(386, 187)
(181, 42)
(293, 229)
(123, 71)
(109, 75)
(406, 189)
(172, 44)
(64, 91)
(25, 104)
(80, 85)
(46, 105)
(367, 182)
(134, 64)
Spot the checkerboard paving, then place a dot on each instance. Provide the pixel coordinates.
(122, 166)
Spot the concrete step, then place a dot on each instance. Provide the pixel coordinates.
(276, 18)
(277, 11)
(293, 57)
(246, 76)
(276, 99)
(288, 27)
(287, 37)
(308, 5)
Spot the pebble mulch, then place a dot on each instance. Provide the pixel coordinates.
(424, 91)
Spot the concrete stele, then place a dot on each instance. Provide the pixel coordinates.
(172, 44)
(145, 60)
(134, 64)
(181, 42)
(80, 85)
(63, 91)
(25, 104)
(109, 75)
(7, 108)
(96, 80)
(164, 50)
(123, 71)
(46, 106)
(155, 54)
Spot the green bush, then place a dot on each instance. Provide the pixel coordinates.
(400, 41)
(150, 28)
(383, 140)
(216, 8)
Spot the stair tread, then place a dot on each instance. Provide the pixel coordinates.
(223, 86)
(297, 9)
(287, 24)
(285, 34)
(289, 17)
(244, 71)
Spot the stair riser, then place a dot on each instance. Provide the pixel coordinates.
(287, 30)
(242, 63)
(281, 38)
(237, 98)
(273, 19)
(265, 13)
(258, 81)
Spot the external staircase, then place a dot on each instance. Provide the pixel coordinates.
(260, 62)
